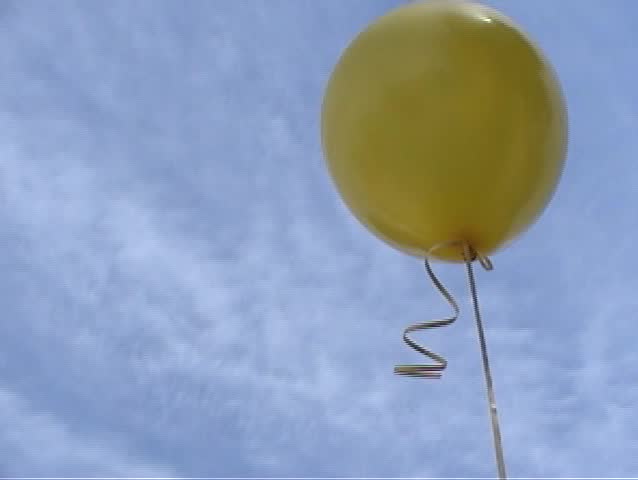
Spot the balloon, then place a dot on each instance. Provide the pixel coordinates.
(443, 122)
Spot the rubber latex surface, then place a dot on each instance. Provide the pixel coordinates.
(442, 121)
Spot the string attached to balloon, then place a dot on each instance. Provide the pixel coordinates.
(435, 370)
(496, 430)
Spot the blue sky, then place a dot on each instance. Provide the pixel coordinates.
(185, 295)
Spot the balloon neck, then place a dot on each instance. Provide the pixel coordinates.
(467, 252)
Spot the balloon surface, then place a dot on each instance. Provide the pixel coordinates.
(443, 122)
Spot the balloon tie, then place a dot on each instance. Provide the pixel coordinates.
(435, 370)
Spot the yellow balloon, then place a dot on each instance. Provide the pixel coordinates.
(443, 122)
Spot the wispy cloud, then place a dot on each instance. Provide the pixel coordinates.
(36, 443)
